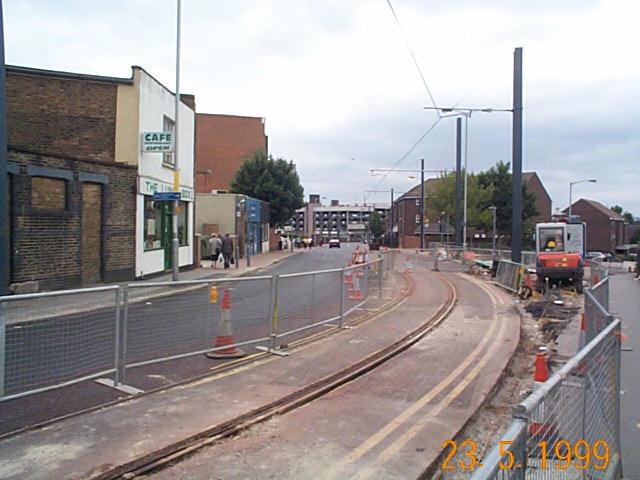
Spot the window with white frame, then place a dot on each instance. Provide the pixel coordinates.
(169, 125)
(418, 218)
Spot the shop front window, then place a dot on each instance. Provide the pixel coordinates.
(183, 225)
(152, 224)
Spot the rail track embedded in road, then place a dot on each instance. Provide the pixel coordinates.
(162, 457)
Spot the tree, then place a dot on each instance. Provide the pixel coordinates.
(628, 216)
(635, 238)
(442, 200)
(272, 180)
(500, 178)
(376, 226)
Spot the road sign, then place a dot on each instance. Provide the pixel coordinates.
(157, 142)
(166, 196)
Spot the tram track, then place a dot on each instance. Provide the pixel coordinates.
(164, 457)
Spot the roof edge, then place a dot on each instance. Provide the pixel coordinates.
(21, 70)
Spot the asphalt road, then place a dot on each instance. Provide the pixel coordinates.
(624, 304)
(60, 348)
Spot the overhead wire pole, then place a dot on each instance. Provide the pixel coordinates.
(458, 192)
(422, 204)
(516, 226)
(175, 244)
(4, 207)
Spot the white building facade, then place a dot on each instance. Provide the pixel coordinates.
(148, 106)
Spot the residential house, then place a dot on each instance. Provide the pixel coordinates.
(605, 228)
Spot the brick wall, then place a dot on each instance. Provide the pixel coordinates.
(46, 245)
(223, 143)
(58, 116)
(543, 201)
(603, 235)
(406, 211)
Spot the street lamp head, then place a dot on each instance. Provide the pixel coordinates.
(593, 180)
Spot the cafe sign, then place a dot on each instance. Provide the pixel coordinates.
(157, 142)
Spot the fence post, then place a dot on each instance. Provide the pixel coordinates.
(342, 272)
(273, 329)
(3, 345)
(380, 278)
(125, 324)
(116, 357)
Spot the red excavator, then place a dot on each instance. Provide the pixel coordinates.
(560, 250)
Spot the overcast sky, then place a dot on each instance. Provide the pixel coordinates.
(340, 92)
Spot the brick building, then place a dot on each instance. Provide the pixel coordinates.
(72, 207)
(78, 180)
(605, 228)
(543, 201)
(223, 143)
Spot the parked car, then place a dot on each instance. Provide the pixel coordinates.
(599, 256)
(334, 243)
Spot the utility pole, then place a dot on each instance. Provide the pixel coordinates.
(4, 208)
(175, 244)
(458, 194)
(422, 203)
(392, 243)
(516, 200)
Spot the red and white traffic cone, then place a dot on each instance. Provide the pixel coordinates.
(582, 339)
(355, 293)
(348, 277)
(538, 427)
(225, 341)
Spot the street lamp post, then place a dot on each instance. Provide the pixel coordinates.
(571, 184)
(493, 243)
(466, 113)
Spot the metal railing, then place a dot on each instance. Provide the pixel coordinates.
(54, 339)
(569, 428)
(509, 275)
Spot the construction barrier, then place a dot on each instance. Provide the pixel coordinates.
(577, 410)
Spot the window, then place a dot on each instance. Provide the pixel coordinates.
(417, 202)
(418, 218)
(48, 193)
(152, 224)
(168, 125)
(183, 225)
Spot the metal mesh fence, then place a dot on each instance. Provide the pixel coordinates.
(599, 271)
(570, 426)
(508, 275)
(168, 320)
(56, 337)
(307, 299)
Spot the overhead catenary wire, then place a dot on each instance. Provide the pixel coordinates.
(415, 60)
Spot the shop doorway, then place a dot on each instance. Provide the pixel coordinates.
(166, 233)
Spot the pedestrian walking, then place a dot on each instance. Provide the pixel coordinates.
(215, 249)
(227, 250)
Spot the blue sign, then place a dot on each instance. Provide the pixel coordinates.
(166, 196)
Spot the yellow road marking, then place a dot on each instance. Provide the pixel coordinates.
(378, 437)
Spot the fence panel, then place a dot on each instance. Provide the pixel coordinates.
(508, 275)
(53, 339)
(175, 319)
(576, 411)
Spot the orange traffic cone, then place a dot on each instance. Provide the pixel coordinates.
(348, 277)
(225, 341)
(541, 372)
(539, 429)
(582, 339)
(355, 293)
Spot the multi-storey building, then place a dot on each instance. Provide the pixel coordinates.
(350, 223)
(223, 143)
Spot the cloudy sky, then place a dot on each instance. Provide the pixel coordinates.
(341, 95)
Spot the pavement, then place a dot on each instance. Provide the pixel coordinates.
(425, 386)
(46, 307)
(624, 304)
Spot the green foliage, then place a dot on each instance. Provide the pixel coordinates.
(628, 216)
(500, 178)
(376, 226)
(635, 238)
(272, 180)
(443, 195)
